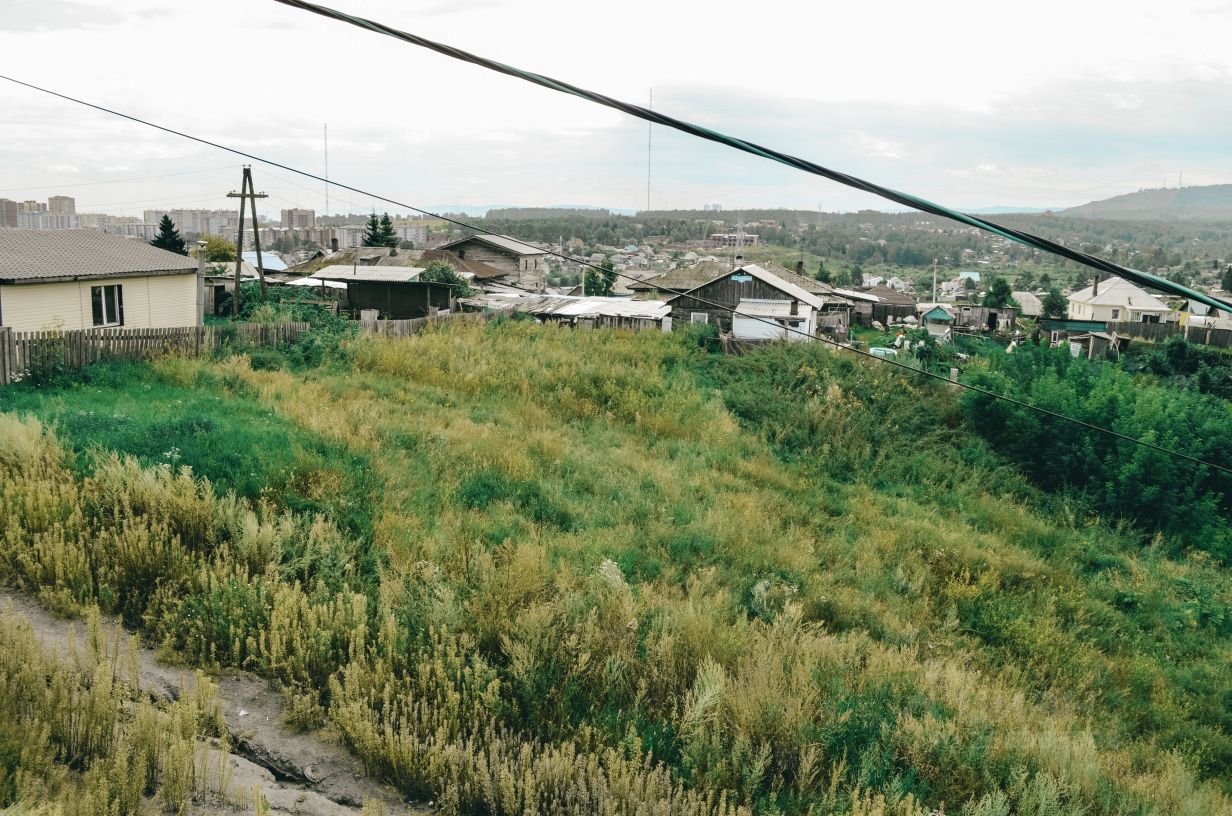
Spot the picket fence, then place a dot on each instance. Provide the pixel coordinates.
(49, 350)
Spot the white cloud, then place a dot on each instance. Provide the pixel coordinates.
(63, 168)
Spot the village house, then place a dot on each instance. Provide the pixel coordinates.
(752, 290)
(523, 265)
(1029, 304)
(86, 279)
(1117, 300)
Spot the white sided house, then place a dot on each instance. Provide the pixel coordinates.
(86, 279)
(1117, 300)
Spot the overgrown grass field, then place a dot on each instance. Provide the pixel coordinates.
(526, 570)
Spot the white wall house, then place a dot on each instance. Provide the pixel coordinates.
(84, 279)
(1117, 300)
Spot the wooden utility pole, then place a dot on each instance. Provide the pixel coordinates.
(247, 194)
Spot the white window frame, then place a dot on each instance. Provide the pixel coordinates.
(699, 318)
(110, 303)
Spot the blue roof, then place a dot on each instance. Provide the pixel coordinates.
(269, 260)
(975, 276)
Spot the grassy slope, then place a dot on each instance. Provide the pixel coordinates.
(820, 590)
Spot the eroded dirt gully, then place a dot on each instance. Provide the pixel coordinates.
(305, 774)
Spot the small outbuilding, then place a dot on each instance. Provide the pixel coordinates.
(394, 291)
(938, 322)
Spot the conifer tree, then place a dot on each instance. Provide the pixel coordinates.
(168, 238)
(372, 232)
(386, 235)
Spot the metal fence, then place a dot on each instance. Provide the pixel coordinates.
(22, 351)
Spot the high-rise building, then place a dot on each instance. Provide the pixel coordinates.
(8, 213)
(299, 219)
(32, 206)
(66, 205)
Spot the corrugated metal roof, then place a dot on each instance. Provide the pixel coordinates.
(567, 306)
(371, 274)
(37, 255)
(500, 242)
(269, 261)
(771, 279)
(318, 282)
(1030, 304)
(754, 307)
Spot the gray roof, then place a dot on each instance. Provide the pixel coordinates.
(500, 242)
(370, 274)
(753, 307)
(28, 256)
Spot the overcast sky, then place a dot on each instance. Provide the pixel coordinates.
(1053, 104)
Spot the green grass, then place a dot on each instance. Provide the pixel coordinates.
(211, 424)
(794, 577)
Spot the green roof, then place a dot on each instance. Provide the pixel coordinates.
(937, 313)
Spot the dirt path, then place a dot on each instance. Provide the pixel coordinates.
(306, 774)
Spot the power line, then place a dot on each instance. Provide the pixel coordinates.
(905, 199)
(111, 181)
(734, 312)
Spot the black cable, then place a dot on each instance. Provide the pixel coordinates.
(734, 312)
(657, 117)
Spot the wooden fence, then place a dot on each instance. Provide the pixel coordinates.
(22, 351)
(405, 328)
(1158, 332)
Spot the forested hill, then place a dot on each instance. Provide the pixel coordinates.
(1209, 203)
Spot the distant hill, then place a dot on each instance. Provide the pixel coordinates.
(1208, 203)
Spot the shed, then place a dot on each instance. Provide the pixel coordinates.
(938, 322)
(394, 291)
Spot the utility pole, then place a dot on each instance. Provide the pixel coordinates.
(326, 169)
(247, 194)
(934, 280)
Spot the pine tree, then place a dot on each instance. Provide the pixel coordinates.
(386, 235)
(372, 232)
(168, 238)
(823, 274)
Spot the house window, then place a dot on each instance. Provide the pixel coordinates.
(1116, 314)
(108, 305)
(699, 317)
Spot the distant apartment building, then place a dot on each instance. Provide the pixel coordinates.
(44, 220)
(299, 219)
(417, 235)
(197, 222)
(65, 205)
(734, 239)
(8, 212)
(32, 206)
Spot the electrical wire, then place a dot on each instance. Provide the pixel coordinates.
(659, 118)
(112, 181)
(735, 312)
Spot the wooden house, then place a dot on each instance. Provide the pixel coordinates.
(716, 300)
(523, 265)
(984, 318)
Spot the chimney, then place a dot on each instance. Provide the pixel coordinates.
(800, 267)
(739, 261)
(795, 306)
(333, 244)
(1095, 292)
